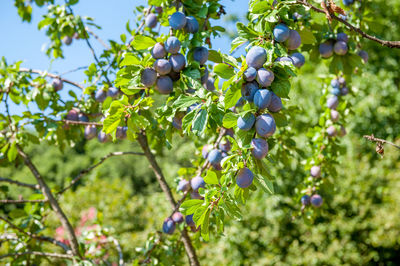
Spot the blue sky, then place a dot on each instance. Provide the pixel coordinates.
(23, 41)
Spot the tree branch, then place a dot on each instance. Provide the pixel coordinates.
(37, 253)
(88, 170)
(41, 238)
(390, 44)
(72, 122)
(31, 186)
(373, 139)
(53, 202)
(35, 71)
(190, 251)
(119, 250)
(10, 201)
(98, 38)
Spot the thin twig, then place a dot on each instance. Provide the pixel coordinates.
(390, 44)
(72, 122)
(35, 71)
(373, 139)
(10, 201)
(74, 70)
(41, 238)
(97, 38)
(190, 251)
(88, 170)
(119, 250)
(32, 186)
(37, 253)
(53, 202)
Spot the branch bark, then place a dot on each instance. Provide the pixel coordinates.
(390, 44)
(88, 170)
(190, 251)
(37, 253)
(373, 139)
(35, 71)
(10, 201)
(53, 203)
(41, 238)
(31, 186)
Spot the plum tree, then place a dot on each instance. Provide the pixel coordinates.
(244, 177)
(232, 111)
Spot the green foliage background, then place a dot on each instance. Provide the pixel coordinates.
(358, 225)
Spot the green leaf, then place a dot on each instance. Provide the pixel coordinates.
(230, 120)
(224, 71)
(307, 37)
(141, 42)
(214, 56)
(238, 41)
(261, 7)
(12, 152)
(281, 87)
(246, 32)
(232, 96)
(129, 59)
(211, 178)
(264, 183)
(280, 119)
(200, 121)
(198, 216)
(190, 206)
(184, 101)
(205, 225)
